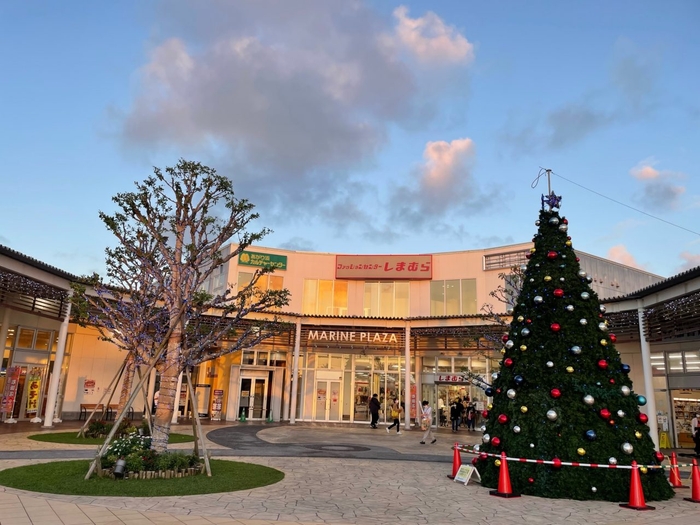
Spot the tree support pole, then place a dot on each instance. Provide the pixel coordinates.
(200, 433)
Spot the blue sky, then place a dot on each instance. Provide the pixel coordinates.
(360, 127)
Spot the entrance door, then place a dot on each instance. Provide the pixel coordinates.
(327, 400)
(253, 398)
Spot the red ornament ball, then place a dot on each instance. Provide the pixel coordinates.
(642, 418)
(558, 292)
(555, 393)
(602, 364)
(612, 381)
(508, 362)
(552, 255)
(611, 422)
(483, 456)
(557, 462)
(578, 260)
(659, 456)
(565, 221)
(485, 414)
(528, 321)
(504, 338)
(555, 327)
(496, 441)
(498, 390)
(475, 460)
(530, 480)
(528, 255)
(503, 419)
(613, 338)
(604, 413)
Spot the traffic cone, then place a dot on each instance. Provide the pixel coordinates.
(674, 477)
(456, 462)
(242, 419)
(695, 475)
(636, 492)
(504, 488)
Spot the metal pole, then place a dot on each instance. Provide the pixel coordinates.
(295, 372)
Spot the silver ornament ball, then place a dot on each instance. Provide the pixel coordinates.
(509, 344)
(569, 307)
(585, 296)
(525, 332)
(612, 461)
(576, 350)
(516, 429)
(485, 438)
(602, 308)
(538, 299)
(549, 364)
(510, 393)
(582, 274)
(554, 221)
(588, 399)
(552, 415)
(627, 448)
(625, 390)
(583, 322)
(620, 413)
(563, 227)
(602, 327)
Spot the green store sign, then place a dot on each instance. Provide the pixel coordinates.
(278, 262)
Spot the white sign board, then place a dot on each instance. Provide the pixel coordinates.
(465, 472)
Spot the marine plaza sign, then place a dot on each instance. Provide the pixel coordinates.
(394, 267)
(353, 337)
(264, 260)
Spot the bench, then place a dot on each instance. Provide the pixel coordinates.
(108, 414)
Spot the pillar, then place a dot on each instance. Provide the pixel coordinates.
(648, 378)
(295, 373)
(50, 416)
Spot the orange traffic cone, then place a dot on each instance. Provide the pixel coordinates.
(674, 477)
(504, 488)
(695, 475)
(456, 462)
(636, 492)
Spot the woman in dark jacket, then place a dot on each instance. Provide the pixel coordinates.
(455, 414)
(374, 407)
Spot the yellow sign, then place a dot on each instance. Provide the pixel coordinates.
(664, 442)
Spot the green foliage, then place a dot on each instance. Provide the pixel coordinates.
(537, 359)
(173, 461)
(125, 445)
(134, 461)
(98, 429)
(67, 477)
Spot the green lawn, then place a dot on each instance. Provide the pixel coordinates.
(66, 477)
(70, 438)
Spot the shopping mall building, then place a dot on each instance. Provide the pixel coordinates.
(400, 326)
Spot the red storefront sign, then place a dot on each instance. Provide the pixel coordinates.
(394, 267)
(451, 378)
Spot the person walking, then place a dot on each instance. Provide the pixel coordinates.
(395, 412)
(455, 411)
(471, 417)
(695, 433)
(374, 406)
(426, 422)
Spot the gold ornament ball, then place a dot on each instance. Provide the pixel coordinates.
(570, 369)
(603, 342)
(547, 278)
(489, 406)
(503, 350)
(568, 243)
(520, 318)
(581, 451)
(497, 462)
(532, 250)
(523, 409)
(638, 434)
(643, 470)
(523, 348)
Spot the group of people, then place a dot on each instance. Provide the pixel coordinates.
(396, 410)
(463, 412)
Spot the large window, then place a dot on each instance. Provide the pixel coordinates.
(453, 297)
(386, 299)
(325, 297)
(265, 282)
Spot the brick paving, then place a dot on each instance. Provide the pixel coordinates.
(326, 490)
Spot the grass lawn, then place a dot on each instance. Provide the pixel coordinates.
(66, 477)
(70, 438)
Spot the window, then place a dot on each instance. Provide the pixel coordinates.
(325, 297)
(264, 283)
(497, 261)
(386, 299)
(453, 297)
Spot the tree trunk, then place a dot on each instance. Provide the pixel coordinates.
(169, 397)
(127, 381)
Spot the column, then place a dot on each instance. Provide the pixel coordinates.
(50, 416)
(648, 378)
(295, 373)
(407, 378)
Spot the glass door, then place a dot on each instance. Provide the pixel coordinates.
(327, 401)
(259, 399)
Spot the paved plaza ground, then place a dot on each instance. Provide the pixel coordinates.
(333, 475)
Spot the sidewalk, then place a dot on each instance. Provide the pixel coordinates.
(325, 490)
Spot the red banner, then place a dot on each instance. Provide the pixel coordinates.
(11, 383)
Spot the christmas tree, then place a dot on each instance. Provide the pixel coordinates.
(562, 393)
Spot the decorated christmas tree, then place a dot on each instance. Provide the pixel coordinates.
(562, 393)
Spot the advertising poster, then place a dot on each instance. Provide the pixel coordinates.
(414, 401)
(89, 387)
(217, 404)
(11, 383)
(33, 390)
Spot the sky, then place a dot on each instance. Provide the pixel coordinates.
(359, 127)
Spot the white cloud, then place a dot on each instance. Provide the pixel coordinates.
(620, 254)
(430, 39)
(645, 170)
(659, 191)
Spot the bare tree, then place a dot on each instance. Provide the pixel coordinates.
(171, 232)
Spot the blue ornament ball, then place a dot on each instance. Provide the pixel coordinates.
(518, 380)
(641, 401)
(625, 369)
(591, 435)
(489, 392)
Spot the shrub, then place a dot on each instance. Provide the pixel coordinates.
(172, 461)
(134, 462)
(125, 445)
(150, 459)
(98, 429)
(108, 461)
(143, 429)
